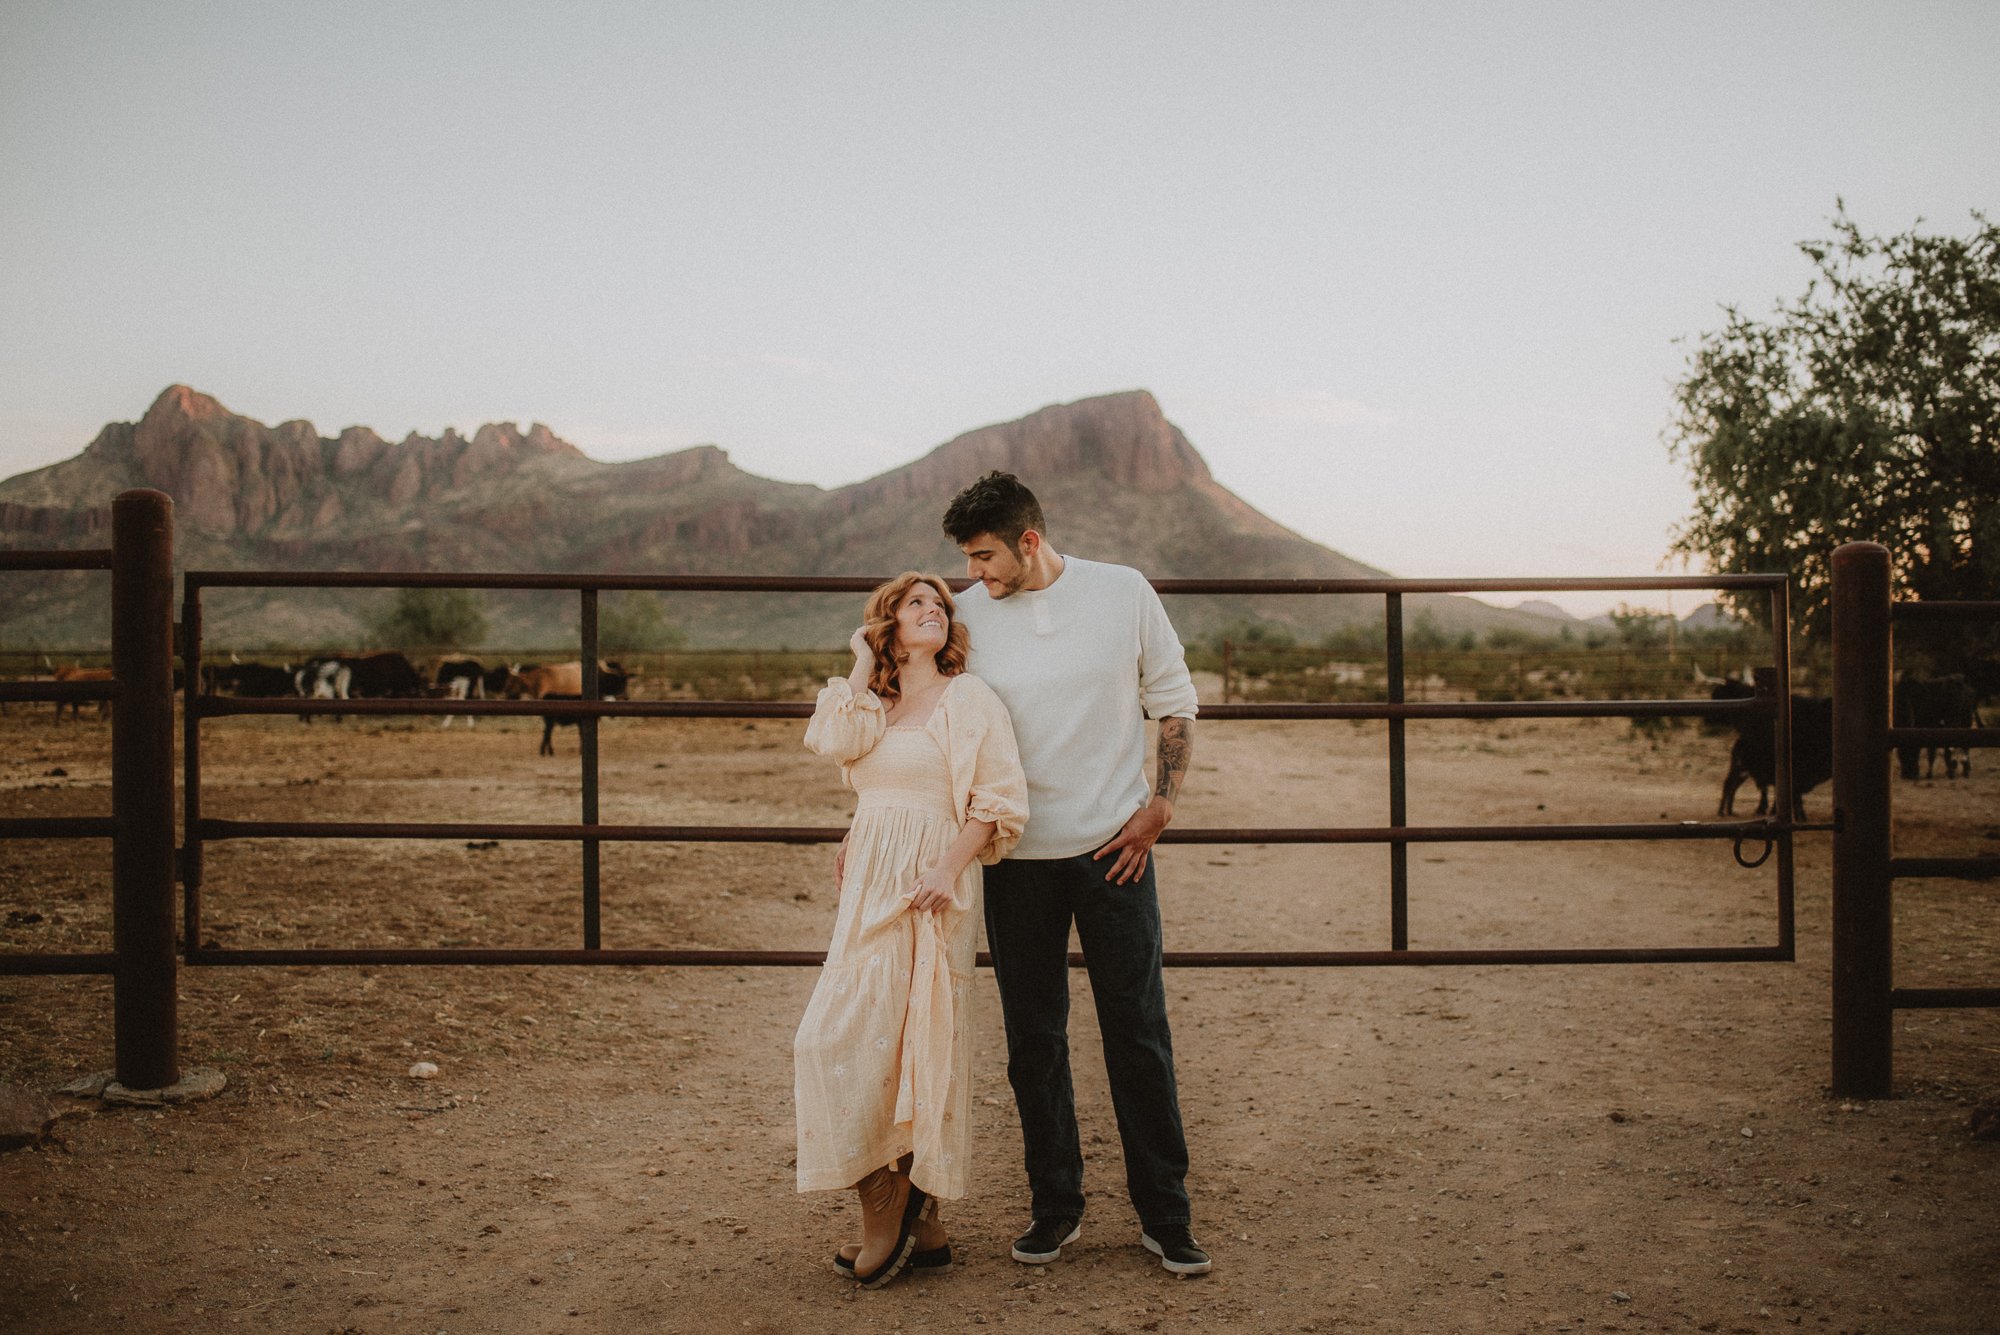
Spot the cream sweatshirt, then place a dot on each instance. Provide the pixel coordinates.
(1081, 666)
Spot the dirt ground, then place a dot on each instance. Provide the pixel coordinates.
(1589, 1148)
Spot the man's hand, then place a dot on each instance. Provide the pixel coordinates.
(1134, 843)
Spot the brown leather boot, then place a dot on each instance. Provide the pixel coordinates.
(931, 1235)
(890, 1206)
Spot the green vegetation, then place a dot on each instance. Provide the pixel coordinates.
(418, 620)
(633, 621)
(1864, 410)
(1642, 655)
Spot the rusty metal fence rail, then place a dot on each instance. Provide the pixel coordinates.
(141, 824)
(1865, 867)
(1774, 832)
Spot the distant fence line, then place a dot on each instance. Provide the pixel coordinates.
(1248, 672)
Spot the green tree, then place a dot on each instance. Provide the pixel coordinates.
(1253, 635)
(634, 622)
(1865, 409)
(1639, 629)
(423, 619)
(1427, 635)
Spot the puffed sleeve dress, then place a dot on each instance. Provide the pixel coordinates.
(882, 1059)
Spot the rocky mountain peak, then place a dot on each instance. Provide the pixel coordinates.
(179, 403)
(1123, 438)
(1126, 482)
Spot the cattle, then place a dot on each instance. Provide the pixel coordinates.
(383, 676)
(321, 679)
(260, 681)
(539, 683)
(1983, 676)
(74, 673)
(1934, 702)
(460, 679)
(1754, 754)
(612, 683)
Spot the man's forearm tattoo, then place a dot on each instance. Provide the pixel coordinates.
(1176, 751)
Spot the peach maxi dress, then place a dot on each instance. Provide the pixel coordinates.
(882, 1059)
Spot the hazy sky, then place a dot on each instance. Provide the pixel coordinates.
(1410, 276)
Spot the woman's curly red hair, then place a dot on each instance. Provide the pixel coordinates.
(878, 623)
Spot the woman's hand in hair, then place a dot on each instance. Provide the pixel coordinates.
(864, 660)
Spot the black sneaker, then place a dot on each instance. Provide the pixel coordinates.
(1176, 1248)
(1044, 1242)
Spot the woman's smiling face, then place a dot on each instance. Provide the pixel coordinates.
(921, 621)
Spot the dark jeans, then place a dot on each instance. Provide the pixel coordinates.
(1029, 906)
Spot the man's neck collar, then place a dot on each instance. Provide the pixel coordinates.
(1049, 568)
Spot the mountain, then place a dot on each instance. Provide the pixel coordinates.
(1117, 479)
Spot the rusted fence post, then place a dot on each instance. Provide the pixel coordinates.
(1863, 1020)
(144, 1013)
(586, 733)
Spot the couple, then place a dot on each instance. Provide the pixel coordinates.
(1079, 654)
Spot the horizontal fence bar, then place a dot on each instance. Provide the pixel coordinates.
(61, 692)
(1943, 998)
(57, 827)
(415, 579)
(215, 828)
(218, 706)
(470, 579)
(1949, 869)
(1496, 709)
(16, 965)
(1594, 584)
(212, 828)
(1173, 959)
(1967, 737)
(82, 558)
(1224, 959)
(1944, 611)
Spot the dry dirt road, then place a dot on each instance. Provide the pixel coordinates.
(1643, 1148)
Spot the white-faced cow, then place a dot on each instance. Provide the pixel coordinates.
(383, 676)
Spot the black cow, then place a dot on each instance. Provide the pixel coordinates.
(612, 681)
(257, 681)
(460, 679)
(321, 679)
(1983, 676)
(383, 676)
(1934, 702)
(1754, 754)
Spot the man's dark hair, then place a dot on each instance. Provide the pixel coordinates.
(998, 504)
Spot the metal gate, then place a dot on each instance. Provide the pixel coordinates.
(1865, 868)
(1772, 832)
(141, 824)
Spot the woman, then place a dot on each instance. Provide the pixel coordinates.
(883, 1055)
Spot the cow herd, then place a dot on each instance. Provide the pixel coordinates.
(1950, 701)
(391, 676)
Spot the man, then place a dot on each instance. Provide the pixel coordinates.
(1081, 653)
